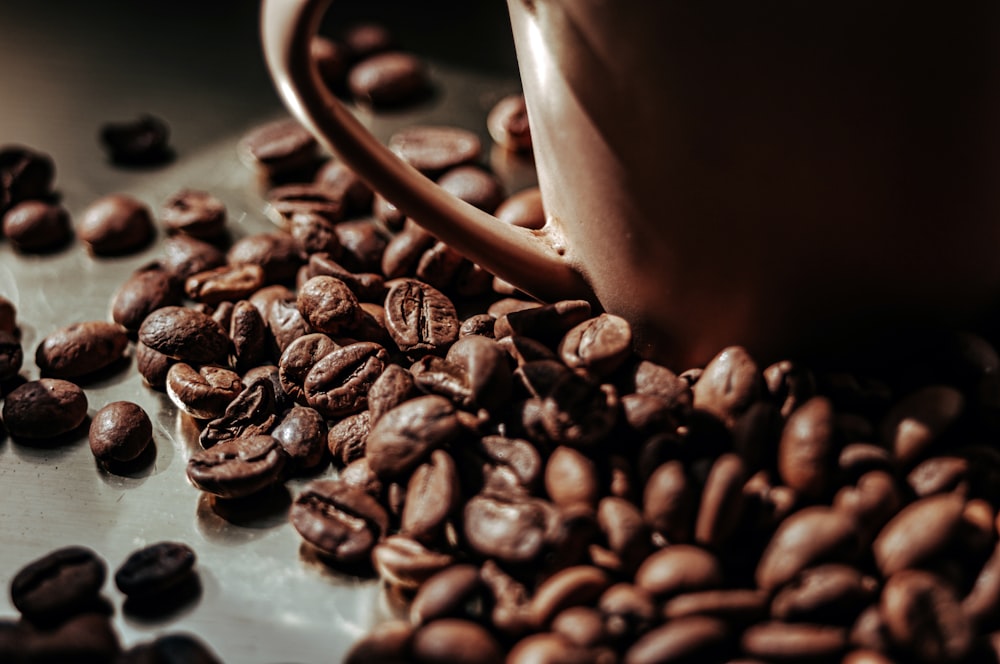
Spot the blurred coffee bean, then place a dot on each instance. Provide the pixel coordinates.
(404, 563)
(36, 226)
(679, 568)
(280, 150)
(452, 592)
(924, 617)
(392, 78)
(730, 383)
(916, 422)
(81, 349)
(919, 532)
(434, 149)
(807, 452)
(455, 641)
(115, 224)
(688, 639)
(794, 642)
(155, 569)
(58, 584)
(808, 537)
(144, 141)
(507, 124)
(194, 212)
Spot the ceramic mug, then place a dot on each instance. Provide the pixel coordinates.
(784, 175)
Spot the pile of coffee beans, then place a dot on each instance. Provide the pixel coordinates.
(527, 488)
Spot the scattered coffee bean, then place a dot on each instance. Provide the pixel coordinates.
(194, 212)
(81, 349)
(25, 174)
(144, 141)
(44, 408)
(155, 570)
(203, 393)
(342, 522)
(37, 226)
(184, 334)
(58, 584)
(238, 467)
(115, 224)
(120, 432)
(280, 149)
(392, 78)
(433, 149)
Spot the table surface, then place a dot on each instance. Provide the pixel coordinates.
(66, 68)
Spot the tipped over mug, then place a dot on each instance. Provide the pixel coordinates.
(789, 176)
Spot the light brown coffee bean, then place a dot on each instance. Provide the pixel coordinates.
(669, 502)
(628, 610)
(571, 477)
(722, 502)
(511, 529)
(549, 648)
(679, 568)
(404, 563)
(583, 626)
(624, 529)
(387, 642)
(788, 642)
(455, 641)
(432, 495)
(573, 586)
(735, 606)
(919, 532)
(599, 345)
(452, 592)
(507, 124)
(871, 502)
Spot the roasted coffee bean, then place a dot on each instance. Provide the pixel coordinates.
(171, 649)
(25, 174)
(387, 642)
(669, 502)
(538, 377)
(347, 439)
(982, 604)
(924, 617)
(433, 150)
(572, 586)
(689, 639)
(856, 459)
(81, 349)
(116, 224)
(364, 40)
(280, 149)
(599, 345)
(341, 180)
(203, 393)
(871, 502)
(11, 355)
(359, 475)
(44, 408)
(86, 637)
(183, 256)
(155, 569)
(436, 375)
(473, 185)
(404, 251)
(455, 641)
(184, 334)
(807, 451)
(551, 648)
(194, 212)
(405, 564)
(547, 323)
(628, 610)
(298, 360)
(578, 411)
(583, 626)
(789, 385)
(146, 290)
(141, 142)
(510, 529)
(736, 606)
(507, 124)
(432, 495)
(510, 599)
(331, 58)
(917, 421)
(248, 336)
(722, 502)
(368, 287)
(275, 253)
(677, 569)
(730, 383)
(393, 386)
(8, 316)
(808, 537)
(478, 325)
(452, 592)
(289, 200)
(313, 233)
(269, 372)
(225, 283)
(439, 266)
(389, 79)
(252, 412)
(152, 365)
(865, 657)
(329, 305)
(36, 226)
(120, 431)
(919, 532)
(302, 432)
(624, 529)
(342, 522)
(408, 433)
(485, 364)
(58, 584)
(238, 467)
(831, 594)
(788, 642)
(571, 477)
(338, 383)
(507, 464)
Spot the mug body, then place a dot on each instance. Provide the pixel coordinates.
(783, 175)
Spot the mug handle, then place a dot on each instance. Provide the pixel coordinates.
(526, 258)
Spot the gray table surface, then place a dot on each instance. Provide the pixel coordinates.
(67, 67)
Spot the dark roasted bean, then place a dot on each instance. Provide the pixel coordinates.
(252, 412)
(120, 431)
(328, 305)
(916, 421)
(155, 569)
(432, 495)
(202, 393)
(338, 383)
(729, 384)
(302, 432)
(11, 355)
(58, 584)
(807, 452)
(808, 537)
(184, 334)
(787, 642)
(389, 79)
(80, 349)
(692, 638)
(36, 226)
(281, 149)
(831, 594)
(116, 224)
(433, 150)
(512, 530)
(238, 467)
(455, 641)
(228, 282)
(194, 212)
(924, 617)
(143, 141)
(342, 522)
(407, 434)
(347, 439)
(449, 593)
(918, 533)
(44, 408)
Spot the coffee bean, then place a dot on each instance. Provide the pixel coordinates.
(368, 287)
(434, 149)
(155, 569)
(510, 529)
(120, 431)
(58, 584)
(393, 386)
(299, 358)
(473, 185)
(81, 349)
(152, 365)
(735, 606)
(238, 467)
(730, 383)
(85, 637)
(550, 648)
(342, 522)
(44, 408)
(787, 642)
(508, 465)
(582, 626)
(313, 233)
(140, 142)
(203, 393)
(11, 355)
(599, 345)
(341, 180)
(547, 323)
(919, 532)
(302, 432)
(184, 334)
(924, 617)
(807, 451)
(347, 439)
(628, 610)
(405, 564)
(455, 641)
(872, 502)
(281, 149)
(856, 459)
(789, 385)
(338, 383)
(146, 290)
(25, 174)
(722, 502)
(432, 495)
(8, 316)
(624, 529)
(404, 251)
(171, 649)
(275, 253)
(689, 639)
(389, 79)
(183, 256)
(669, 502)
(918, 420)
(252, 412)
(507, 124)
(808, 537)
(827, 594)
(510, 599)
(328, 305)
(578, 411)
(865, 657)
(363, 245)
(677, 569)
(452, 592)
(225, 283)
(36, 226)
(387, 642)
(573, 586)
(571, 477)
(116, 224)
(194, 212)
(408, 433)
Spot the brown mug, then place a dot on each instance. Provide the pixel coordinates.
(785, 175)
